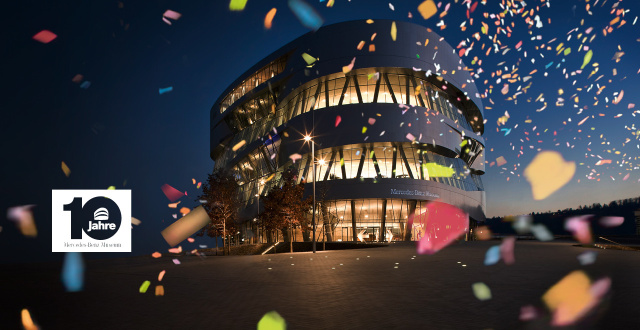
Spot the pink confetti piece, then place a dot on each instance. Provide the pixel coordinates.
(410, 137)
(626, 177)
(172, 193)
(528, 313)
(505, 89)
(176, 261)
(506, 250)
(618, 98)
(23, 217)
(610, 222)
(199, 185)
(442, 224)
(372, 121)
(348, 68)
(176, 250)
(295, 157)
(338, 120)
(191, 240)
(580, 228)
(45, 36)
(172, 14)
(161, 275)
(166, 20)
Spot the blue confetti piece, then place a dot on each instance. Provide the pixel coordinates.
(85, 85)
(506, 130)
(548, 65)
(165, 90)
(73, 272)
(492, 256)
(306, 14)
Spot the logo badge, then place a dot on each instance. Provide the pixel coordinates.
(91, 221)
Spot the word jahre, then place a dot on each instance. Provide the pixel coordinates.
(413, 193)
(99, 225)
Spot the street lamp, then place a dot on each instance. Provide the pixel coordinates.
(313, 214)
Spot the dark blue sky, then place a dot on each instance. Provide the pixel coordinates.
(121, 129)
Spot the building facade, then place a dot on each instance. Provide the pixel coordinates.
(396, 124)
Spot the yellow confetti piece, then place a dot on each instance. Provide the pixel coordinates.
(239, 145)
(369, 21)
(330, 3)
(144, 286)
(547, 173)
(111, 188)
(364, 129)
(66, 169)
(308, 58)
(572, 295)
(481, 291)
(427, 9)
(27, 322)
(437, 170)
(237, 5)
(587, 59)
(269, 18)
(394, 31)
(135, 221)
(272, 321)
(159, 290)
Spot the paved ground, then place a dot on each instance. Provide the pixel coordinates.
(350, 289)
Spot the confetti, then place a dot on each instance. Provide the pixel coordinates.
(360, 45)
(176, 261)
(338, 120)
(541, 232)
(308, 58)
(587, 258)
(492, 256)
(85, 85)
(449, 222)
(176, 250)
(66, 169)
(159, 290)
(239, 145)
(427, 9)
(174, 205)
(186, 226)
(295, 157)
(348, 68)
(44, 36)
(269, 18)
(610, 222)
(506, 250)
(436, 170)
(185, 210)
(27, 322)
(501, 161)
(573, 296)
(307, 16)
(481, 291)
(172, 14)
(522, 224)
(144, 286)
(172, 193)
(587, 59)
(580, 228)
(199, 185)
(237, 5)
(371, 121)
(394, 31)
(547, 173)
(156, 255)
(73, 272)
(191, 240)
(165, 90)
(23, 217)
(77, 78)
(528, 313)
(272, 321)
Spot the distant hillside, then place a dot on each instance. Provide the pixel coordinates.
(554, 221)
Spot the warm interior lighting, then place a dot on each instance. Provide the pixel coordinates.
(307, 138)
(321, 162)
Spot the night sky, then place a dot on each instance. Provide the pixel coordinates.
(120, 131)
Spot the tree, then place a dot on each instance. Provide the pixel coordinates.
(284, 206)
(220, 197)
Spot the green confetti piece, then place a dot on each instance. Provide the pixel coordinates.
(437, 170)
(308, 58)
(111, 188)
(144, 286)
(464, 143)
(481, 291)
(567, 51)
(272, 321)
(418, 55)
(237, 4)
(587, 59)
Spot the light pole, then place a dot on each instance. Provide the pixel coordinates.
(313, 212)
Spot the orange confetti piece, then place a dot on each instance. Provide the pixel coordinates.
(239, 145)
(191, 240)
(372, 48)
(427, 9)
(619, 97)
(269, 18)
(156, 255)
(360, 45)
(27, 322)
(185, 210)
(161, 275)
(603, 161)
(66, 169)
(159, 290)
(500, 161)
(547, 173)
(174, 205)
(348, 68)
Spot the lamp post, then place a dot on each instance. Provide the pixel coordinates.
(313, 212)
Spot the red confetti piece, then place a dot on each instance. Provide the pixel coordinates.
(442, 224)
(45, 36)
(172, 193)
(338, 120)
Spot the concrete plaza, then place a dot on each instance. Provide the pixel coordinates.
(378, 288)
